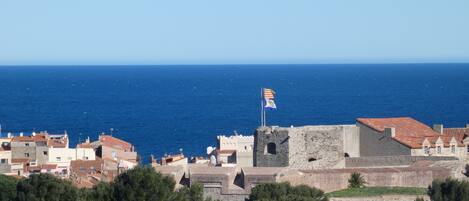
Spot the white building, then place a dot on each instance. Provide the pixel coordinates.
(63, 156)
(235, 149)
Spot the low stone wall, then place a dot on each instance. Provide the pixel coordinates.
(216, 194)
(383, 198)
(337, 179)
(386, 161)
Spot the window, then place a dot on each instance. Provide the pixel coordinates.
(453, 148)
(426, 149)
(3, 161)
(270, 148)
(58, 158)
(26, 154)
(45, 153)
(438, 149)
(86, 157)
(467, 148)
(346, 155)
(312, 159)
(26, 144)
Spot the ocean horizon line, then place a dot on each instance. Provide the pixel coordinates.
(232, 65)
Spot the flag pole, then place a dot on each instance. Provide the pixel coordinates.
(265, 119)
(262, 109)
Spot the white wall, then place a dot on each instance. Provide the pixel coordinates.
(85, 154)
(6, 155)
(63, 156)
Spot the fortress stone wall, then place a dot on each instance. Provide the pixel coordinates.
(307, 147)
(337, 179)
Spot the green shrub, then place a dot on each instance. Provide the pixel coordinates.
(40, 187)
(356, 180)
(449, 190)
(286, 192)
(419, 199)
(7, 188)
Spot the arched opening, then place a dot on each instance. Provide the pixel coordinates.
(270, 148)
(346, 155)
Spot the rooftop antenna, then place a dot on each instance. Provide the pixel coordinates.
(0, 130)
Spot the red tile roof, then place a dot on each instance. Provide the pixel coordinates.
(19, 160)
(409, 131)
(29, 138)
(107, 140)
(458, 133)
(57, 143)
(85, 145)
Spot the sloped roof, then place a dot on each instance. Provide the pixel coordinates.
(411, 132)
(107, 140)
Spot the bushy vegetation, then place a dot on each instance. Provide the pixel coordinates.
(356, 180)
(286, 192)
(139, 184)
(7, 188)
(377, 191)
(449, 190)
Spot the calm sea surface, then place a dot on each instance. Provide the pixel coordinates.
(161, 109)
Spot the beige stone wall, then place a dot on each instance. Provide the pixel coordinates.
(321, 147)
(337, 179)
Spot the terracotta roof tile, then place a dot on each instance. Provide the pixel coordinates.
(409, 131)
(57, 143)
(107, 140)
(19, 160)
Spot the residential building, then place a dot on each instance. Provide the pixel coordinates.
(233, 150)
(116, 149)
(407, 136)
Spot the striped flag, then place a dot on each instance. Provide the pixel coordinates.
(268, 93)
(269, 99)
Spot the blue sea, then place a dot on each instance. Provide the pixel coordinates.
(161, 109)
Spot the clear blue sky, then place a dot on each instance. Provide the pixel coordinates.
(236, 31)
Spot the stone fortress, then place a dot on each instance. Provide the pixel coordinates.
(386, 151)
(306, 147)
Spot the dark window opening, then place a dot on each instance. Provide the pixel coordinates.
(346, 155)
(312, 159)
(271, 148)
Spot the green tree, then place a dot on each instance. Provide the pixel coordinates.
(100, 192)
(142, 183)
(356, 180)
(192, 193)
(286, 192)
(7, 188)
(449, 190)
(45, 187)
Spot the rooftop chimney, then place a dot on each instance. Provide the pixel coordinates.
(390, 132)
(438, 128)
